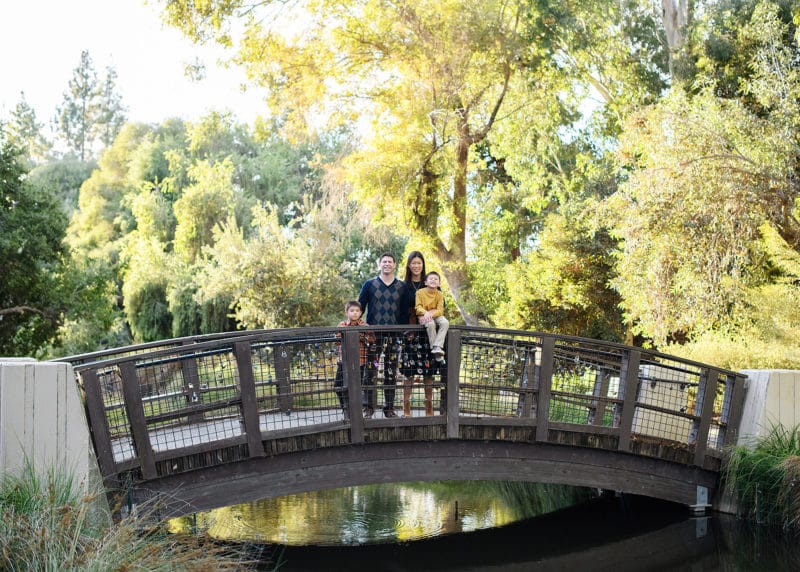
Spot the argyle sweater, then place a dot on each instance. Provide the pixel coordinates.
(384, 305)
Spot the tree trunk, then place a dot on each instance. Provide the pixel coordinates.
(454, 259)
(675, 17)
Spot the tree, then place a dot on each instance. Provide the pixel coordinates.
(26, 131)
(90, 109)
(75, 116)
(437, 81)
(110, 113)
(707, 171)
(434, 76)
(32, 226)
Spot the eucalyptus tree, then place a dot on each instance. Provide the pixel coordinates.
(441, 87)
(712, 172)
(431, 77)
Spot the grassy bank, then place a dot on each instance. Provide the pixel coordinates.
(765, 478)
(47, 524)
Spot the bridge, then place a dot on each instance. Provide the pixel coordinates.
(216, 420)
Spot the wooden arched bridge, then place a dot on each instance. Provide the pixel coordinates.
(217, 420)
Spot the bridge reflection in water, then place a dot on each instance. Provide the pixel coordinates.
(219, 420)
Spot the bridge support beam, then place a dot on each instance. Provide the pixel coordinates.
(335, 467)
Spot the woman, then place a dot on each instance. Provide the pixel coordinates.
(414, 279)
(417, 353)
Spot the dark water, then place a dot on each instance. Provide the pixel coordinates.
(489, 527)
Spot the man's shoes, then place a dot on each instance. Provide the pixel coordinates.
(368, 412)
(388, 412)
(437, 351)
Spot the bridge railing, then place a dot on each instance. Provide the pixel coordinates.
(173, 407)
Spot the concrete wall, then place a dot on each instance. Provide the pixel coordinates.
(42, 420)
(773, 397)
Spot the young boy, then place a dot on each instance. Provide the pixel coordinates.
(352, 311)
(430, 312)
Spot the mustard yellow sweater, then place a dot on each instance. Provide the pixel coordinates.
(430, 299)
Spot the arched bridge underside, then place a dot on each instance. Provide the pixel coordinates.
(293, 473)
(217, 420)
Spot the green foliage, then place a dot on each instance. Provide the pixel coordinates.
(32, 226)
(25, 131)
(277, 278)
(65, 178)
(765, 477)
(561, 285)
(705, 176)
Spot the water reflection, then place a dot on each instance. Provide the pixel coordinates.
(488, 527)
(380, 513)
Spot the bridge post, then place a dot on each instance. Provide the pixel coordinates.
(282, 375)
(351, 373)
(733, 414)
(136, 417)
(628, 387)
(706, 394)
(453, 373)
(98, 421)
(544, 385)
(247, 390)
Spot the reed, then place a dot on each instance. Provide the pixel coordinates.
(765, 478)
(48, 525)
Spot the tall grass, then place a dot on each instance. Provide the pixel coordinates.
(46, 524)
(765, 479)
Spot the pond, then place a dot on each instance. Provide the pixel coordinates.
(491, 526)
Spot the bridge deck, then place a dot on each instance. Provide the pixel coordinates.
(180, 411)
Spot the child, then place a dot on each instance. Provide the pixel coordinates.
(430, 312)
(352, 311)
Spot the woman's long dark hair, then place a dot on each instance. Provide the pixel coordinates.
(412, 255)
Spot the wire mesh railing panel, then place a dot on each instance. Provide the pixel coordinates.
(217, 378)
(295, 382)
(585, 385)
(496, 374)
(223, 423)
(666, 400)
(110, 382)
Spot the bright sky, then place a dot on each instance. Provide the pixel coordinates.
(41, 43)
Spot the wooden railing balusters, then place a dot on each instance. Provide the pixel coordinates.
(282, 376)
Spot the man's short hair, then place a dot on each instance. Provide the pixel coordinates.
(385, 254)
(353, 303)
(432, 273)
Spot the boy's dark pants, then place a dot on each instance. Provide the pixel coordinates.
(340, 388)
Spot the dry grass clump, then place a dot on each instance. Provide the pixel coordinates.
(45, 524)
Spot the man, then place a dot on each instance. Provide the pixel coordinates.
(385, 301)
